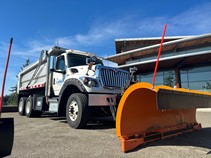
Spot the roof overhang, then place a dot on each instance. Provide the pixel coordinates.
(176, 61)
(174, 45)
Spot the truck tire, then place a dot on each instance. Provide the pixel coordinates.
(77, 110)
(21, 106)
(29, 107)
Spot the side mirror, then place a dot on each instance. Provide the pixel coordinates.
(58, 71)
(52, 70)
(92, 59)
(63, 71)
(52, 63)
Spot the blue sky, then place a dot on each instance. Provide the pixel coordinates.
(91, 25)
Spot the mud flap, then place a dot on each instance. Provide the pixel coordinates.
(6, 136)
(139, 119)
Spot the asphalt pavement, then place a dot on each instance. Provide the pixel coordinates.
(52, 137)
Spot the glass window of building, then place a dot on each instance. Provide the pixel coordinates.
(162, 78)
(198, 78)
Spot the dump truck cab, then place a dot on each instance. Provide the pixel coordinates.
(70, 83)
(85, 68)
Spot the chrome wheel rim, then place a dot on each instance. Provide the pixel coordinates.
(73, 110)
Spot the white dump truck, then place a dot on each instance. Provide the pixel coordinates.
(70, 83)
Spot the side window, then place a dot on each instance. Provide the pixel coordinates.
(60, 64)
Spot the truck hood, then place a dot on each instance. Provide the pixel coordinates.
(82, 70)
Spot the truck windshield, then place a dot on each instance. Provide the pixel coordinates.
(78, 60)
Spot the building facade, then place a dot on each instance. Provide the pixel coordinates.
(185, 60)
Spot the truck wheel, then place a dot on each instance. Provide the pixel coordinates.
(21, 106)
(77, 110)
(29, 107)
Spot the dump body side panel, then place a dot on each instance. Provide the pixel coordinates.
(28, 72)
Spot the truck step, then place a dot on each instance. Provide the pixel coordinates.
(53, 105)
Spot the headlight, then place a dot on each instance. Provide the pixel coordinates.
(90, 82)
(85, 80)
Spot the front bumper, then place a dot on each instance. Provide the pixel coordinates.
(102, 99)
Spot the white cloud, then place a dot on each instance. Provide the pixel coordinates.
(193, 21)
(100, 33)
(97, 35)
(65, 42)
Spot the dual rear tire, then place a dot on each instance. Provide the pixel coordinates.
(25, 107)
(21, 106)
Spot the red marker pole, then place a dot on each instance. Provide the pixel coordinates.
(159, 52)
(5, 74)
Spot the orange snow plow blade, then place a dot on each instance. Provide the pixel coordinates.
(145, 114)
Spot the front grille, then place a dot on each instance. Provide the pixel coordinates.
(113, 78)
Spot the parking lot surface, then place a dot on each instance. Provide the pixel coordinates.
(52, 137)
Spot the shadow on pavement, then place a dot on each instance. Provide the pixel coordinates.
(200, 138)
(101, 123)
(209, 152)
(94, 123)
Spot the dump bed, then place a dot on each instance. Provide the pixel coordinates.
(34, 75)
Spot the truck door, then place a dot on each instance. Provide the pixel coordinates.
(59, 74)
